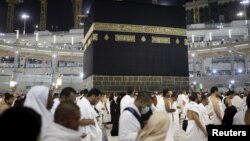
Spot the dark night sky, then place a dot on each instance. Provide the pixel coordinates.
(60, 13)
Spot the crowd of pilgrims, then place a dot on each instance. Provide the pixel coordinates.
(134, 116)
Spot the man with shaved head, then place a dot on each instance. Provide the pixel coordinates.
(65, 125)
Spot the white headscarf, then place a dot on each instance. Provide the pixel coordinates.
(36, 99)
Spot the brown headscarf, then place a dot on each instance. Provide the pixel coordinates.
(156, 128)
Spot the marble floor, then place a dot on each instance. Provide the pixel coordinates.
(111, 138)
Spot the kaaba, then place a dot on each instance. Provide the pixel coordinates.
(135, 43)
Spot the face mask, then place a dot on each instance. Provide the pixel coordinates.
(144, 109)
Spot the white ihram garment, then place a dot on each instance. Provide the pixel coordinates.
(239, 118)
(57, 132)
(193, 131)
(126, 100)
(214, 118)
(129, 126)
(160, 103)
(93, 132)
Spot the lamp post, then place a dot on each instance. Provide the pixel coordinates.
(240, 14)
(24, 17)
(36, 39)
(244, 3)
(36, 27)
(54, 68)
(230, 34)
(17, 34)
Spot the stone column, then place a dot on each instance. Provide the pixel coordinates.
(194, 67)
(232, 64)
(203, 71)
(44, 68)
(54, 68)
(246, 60)
(15, 65)
(44, 64)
